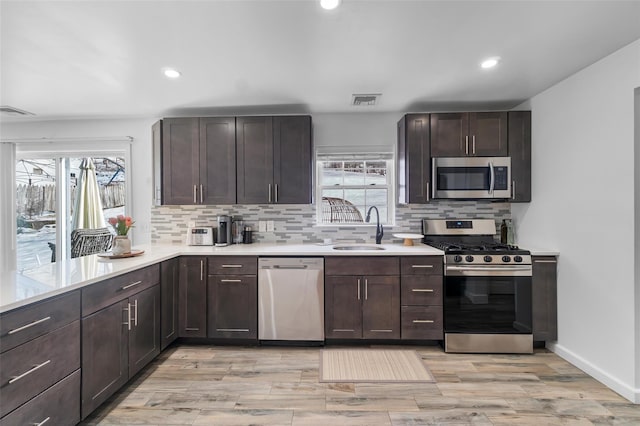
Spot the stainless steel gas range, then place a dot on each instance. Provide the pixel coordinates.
(487, 288)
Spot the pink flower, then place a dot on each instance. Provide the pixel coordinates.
(113, 221)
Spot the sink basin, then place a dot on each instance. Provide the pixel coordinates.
(358, 247)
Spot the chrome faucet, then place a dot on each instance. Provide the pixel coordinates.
(379, 230)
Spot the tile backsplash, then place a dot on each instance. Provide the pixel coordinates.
(297, 223)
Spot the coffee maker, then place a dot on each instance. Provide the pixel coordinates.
(223, 235)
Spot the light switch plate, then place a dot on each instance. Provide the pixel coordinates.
(270, 227)
(262, 226)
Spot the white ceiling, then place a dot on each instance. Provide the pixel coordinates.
(84, 59)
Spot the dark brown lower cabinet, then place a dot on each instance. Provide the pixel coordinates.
(117, 342)
(192, 297)
(362, 307)
(169, 280)
(544, 298)
(233, 306)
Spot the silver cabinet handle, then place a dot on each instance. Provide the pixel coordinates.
(269, 190)
(422, 290)
(347, 330)
(202, 270)
(466, 145)
(135, 312)
(26, 373)
(42, 422)
(230, 281)
(131, 285)
(232, 266)
(201, 195)
(366, 289)
(128, 323)
(31, 324)
(191, 328)
(473, 145)
(426, 190)
(513, 189)
(418, 321)
(276, 186)
(358, 288)
(382, 330)
(195, 194)
(422, 266)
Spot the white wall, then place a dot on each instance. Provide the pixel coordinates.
(583, 205)
(139, 171)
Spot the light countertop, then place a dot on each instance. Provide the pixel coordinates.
(49, 280)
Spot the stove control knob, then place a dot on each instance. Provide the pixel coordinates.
(517, 258)
(488, 259)
(469, 258)
(457, 258)
(506, 259)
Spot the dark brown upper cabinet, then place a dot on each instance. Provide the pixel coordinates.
(414, 159)
(274, 160)
(520, 153)
(463, 134)
(198, 157)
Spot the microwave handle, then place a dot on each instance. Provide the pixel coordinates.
(492, 178)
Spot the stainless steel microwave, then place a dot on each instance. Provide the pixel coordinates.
(471, 177)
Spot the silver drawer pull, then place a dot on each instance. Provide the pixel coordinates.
(422, 290)
(382, 331)
(191, 328)
(230, 281)
(422, 266)
(131, 285)
(422, 321)
(241, 330)
(31, 324)
(42, 422)
(35, 367)
(348, 330)
(232, 266)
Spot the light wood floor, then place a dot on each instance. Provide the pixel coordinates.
(218, 385)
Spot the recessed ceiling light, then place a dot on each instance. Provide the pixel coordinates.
(171, 73)
(490, 62)
(329, 4)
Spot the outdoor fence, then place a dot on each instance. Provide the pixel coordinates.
(32, 200)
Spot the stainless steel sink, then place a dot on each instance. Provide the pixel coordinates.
(357, 247)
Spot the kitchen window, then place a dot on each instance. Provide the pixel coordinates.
(348, 185)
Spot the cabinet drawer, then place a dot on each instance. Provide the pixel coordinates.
(361, 265)
(421, 290)
(58, 405)
(23, 324)
(31, 368)
(422, 322)
(421, 265)
(107, 292)
(233, 265)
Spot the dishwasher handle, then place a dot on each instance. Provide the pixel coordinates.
(290, 267)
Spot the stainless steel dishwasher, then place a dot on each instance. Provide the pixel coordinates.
(291, 299)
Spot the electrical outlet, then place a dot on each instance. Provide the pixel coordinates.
(262, 226)
(270, 227)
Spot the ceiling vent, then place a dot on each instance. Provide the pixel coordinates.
(369, 99)
(9, 111)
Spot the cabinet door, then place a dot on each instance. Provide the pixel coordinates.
(381, 307)
(449, 134)
(292, 160)
(233, 306)
(105, 355)
(520, 153)
(192, 295)
(414, 159)
(217, 160)
(180, 163)
(169, 279)
(488, 134)
(144, 336)
(343, 307)
(254, 139)
(544, 298)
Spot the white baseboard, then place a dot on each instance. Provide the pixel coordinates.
(600, 375)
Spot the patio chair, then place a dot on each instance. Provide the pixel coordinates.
(90, 241)
(338, 210)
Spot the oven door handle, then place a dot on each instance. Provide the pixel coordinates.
(501, 271)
